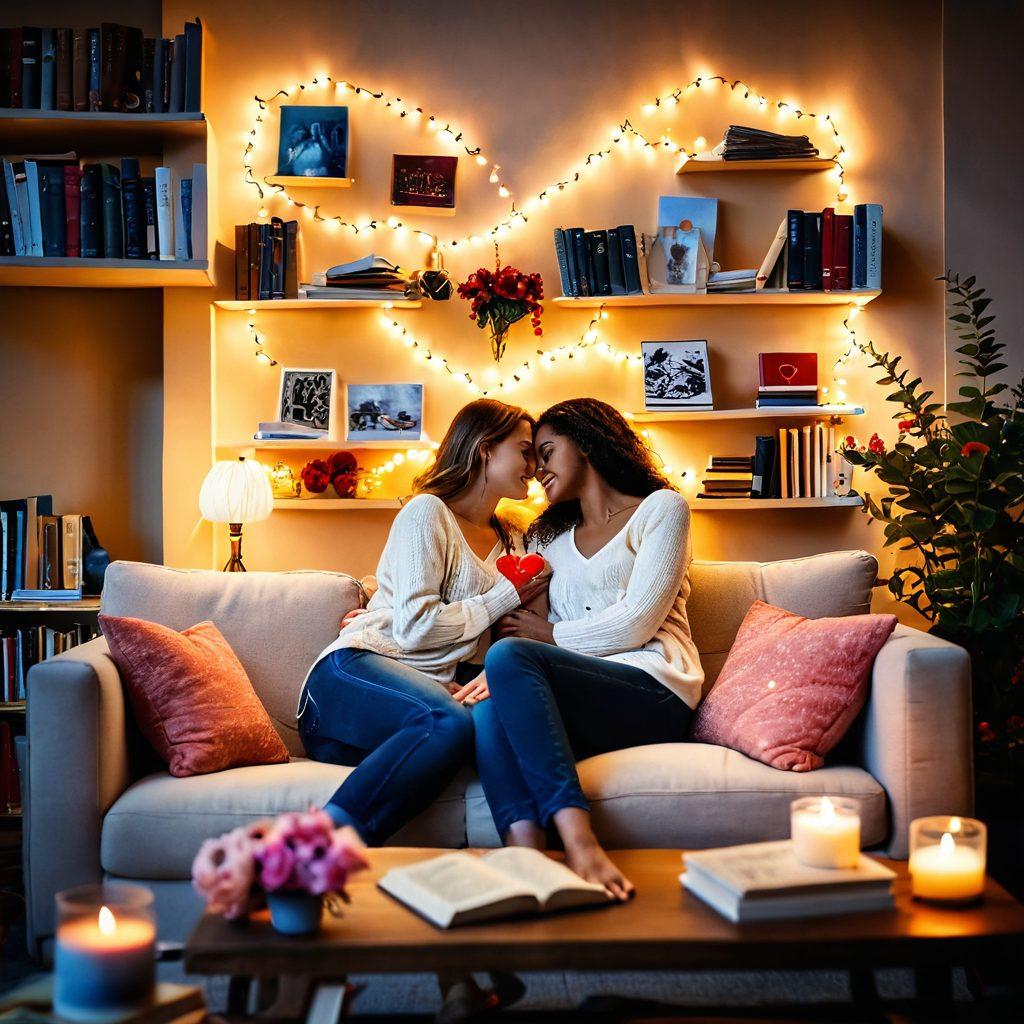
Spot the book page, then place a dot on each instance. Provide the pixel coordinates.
(543, 876)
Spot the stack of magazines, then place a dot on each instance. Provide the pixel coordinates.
(742, 143)
(372, 277)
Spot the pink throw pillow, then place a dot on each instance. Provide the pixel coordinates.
(791, 686)
(191, 696)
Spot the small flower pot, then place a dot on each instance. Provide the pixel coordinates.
(295, 913)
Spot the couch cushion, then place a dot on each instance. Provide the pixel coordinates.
(695, 795)
(276, 622)
(721, 593)
(156, 826)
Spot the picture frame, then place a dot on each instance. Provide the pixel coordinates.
(313, 142)
(425, 184)
(677, 375)
(381, 414)
(307, 399)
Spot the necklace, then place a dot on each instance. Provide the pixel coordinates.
(618, 512)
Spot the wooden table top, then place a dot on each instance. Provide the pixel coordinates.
(663, 928)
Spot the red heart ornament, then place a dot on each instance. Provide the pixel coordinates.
(520, 570)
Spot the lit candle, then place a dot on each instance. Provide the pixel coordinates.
(104, 959)
(825, 832)
(952, 869)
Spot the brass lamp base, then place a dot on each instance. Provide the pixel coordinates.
(234, 563)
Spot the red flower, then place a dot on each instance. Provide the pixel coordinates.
(985, 732)
(342, 462)
(851, 441)
(876, 444)
(974, 446)
(316, 475)
(907, 424)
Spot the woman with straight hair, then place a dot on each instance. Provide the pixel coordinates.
(391, 695)
(612, 664)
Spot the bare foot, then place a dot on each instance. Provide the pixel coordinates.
(590, 862)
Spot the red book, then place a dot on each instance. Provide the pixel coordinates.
(843, 249)
(785, 371)
(72, 206)
(828, 217)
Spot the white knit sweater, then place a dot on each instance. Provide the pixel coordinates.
(435, 597)
(627, 602)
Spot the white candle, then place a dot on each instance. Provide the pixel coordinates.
(824, 837)
(947, 870)
(103, 965)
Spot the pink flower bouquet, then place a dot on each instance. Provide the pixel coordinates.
(296, 852)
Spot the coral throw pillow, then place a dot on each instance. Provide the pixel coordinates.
(791, 686)
(191, 697)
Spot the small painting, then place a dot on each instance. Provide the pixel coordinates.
(384, 412)
(308, 399)
(427, 181)
(313, 142)
(677, 375)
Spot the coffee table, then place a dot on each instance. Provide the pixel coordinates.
(663, 928)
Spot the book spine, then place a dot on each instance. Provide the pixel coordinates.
(584, 273)
(873, 247)
(291, 259)
(164, 231)
(95, 63)
(795, 243)
(72, 210)
(51, 208)
(65, 100)
(186, 216)
(199, 223)
(859, 231)
(110, 85)
(6, 230)
(828, 216)
(132, 212)
(180, 241)
(563, 265)
(35, 217)
(616, 274)
(812, 252)
(277, 258)
(177, 96)
(159, 75)
(192, 86)
(113, 223)
(48, 71)
(242, 261)
(630, 259)
(841, 271)
(570, 262)
(80, 68)
(255, 251)
(91, 229)
(148, 73)
(149, 207)
(14, 70)
(131, 72)
(31, 45)
(266, 262)
(71, 552)
(597, 254)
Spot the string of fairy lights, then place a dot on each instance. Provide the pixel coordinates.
(624, 132)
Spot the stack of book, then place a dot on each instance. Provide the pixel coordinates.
(10, 788)
(113, 68)
(807, 463)
(267, 260)
(371, 277)
(26, 646)
(51, 205)
(278, 430)
(831, 251)
(742, 143)
(787, 379)
(599, 262)
(765, 882)
(38, 550)
(728, 476)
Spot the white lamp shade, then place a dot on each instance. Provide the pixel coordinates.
(236, 492)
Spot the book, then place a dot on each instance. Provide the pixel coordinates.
(631, 264)
(18, 229)
(570, 260)
(180, 238)
(40, 594)
(787, 371)
(563, 264)
(616, 275)
(581, 260)
(6, 232)
(176, 99)
(843, 251)
(72, 210)
(276, 258)
(812, 252)
(192, 72)
(242, 261)
(91, 211)
(80, 69)
(31, 50)
(872, 246)
(51, 209)
(160, 67)
(827, 247)
(164, 229)
(281, 430)
(464, 888)
(13, 83)
(771, 259)
(149, 210)
(48, 70)
(48, 568)
(132, 85)
(95, 61)
(291, 259)
(784, 401)
(764, 465)
(148, 66)
(134, 212)
(597, 253)
(743, 143)
(71, 551)
(113, 56)
(795, 480)
(113, 222)
(782, 473)
(765, 881)
(198, 219)
(35, 218)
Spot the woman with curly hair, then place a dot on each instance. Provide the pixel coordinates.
(612, 665)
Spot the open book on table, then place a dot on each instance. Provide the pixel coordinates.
(464, 888)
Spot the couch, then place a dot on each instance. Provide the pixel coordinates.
(95, 809)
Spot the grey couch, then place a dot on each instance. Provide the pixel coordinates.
(90, 815)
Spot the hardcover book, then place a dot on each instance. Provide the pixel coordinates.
(113, 222)
(812, 252)
(164, 229)
(65, 69)
(91, 211)
(597, 248)
(616, 274)
(795, 241)
(788, 370)
(48, 71)
(827, 247)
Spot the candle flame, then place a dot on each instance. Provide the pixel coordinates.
(107, 921)
(946, 845)
(954, 825)
(828, 810)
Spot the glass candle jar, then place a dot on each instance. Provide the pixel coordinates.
(825, 831)
(947, 859)
(104, 960)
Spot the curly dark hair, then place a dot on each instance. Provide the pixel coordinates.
(612, 447)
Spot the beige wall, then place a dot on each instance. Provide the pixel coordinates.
(537, 100)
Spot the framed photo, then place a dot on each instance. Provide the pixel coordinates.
(424, 181)
(308, 399)
(383, 412)
(313, 142)
(677, 375)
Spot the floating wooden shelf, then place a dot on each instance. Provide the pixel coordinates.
(746, 414)
(280, 305)
(302, 181)
(815, 163)
(334, 504)
(771, 504)
(93, 132)
(761, 298)
(87, 604)
(319, 445)
(12, 707)
(77, 272)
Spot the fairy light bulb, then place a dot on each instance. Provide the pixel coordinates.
(503, 192)
(699, 143)
(648, 109)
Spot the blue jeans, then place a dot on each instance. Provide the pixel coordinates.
(401, 730)
(550, 707)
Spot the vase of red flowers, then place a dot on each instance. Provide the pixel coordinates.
(501, 297)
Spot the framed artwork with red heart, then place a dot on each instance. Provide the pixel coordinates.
(520, 570)
(788, 369)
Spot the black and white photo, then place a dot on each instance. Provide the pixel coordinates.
(308, 399)
(384, 412)
(677, 375)
(313, 142)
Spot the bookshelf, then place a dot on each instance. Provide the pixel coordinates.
(73, 272)
(788, 412)
(692, 166)
(280, 305)
(97, 131)
(772, 504)
(239, 447)
(761, 298)
(336, 504)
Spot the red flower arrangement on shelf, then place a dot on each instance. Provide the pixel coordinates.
(502, 297)
(339, 470)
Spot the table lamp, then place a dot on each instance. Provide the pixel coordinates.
(236, 492)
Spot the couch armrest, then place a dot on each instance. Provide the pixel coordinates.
(918, 733)
(77, 767)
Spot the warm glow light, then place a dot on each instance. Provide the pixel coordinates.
(106, 921)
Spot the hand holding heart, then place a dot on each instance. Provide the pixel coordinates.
(524, 573)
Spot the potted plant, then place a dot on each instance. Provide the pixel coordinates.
(955, 503)
(293, 862)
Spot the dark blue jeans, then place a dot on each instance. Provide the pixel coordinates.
(401, 730)
(549, 708)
